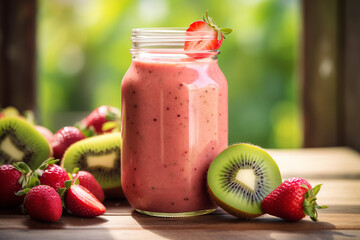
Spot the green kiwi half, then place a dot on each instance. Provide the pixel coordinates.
(21, 142)
(240, 177)
(99, 155)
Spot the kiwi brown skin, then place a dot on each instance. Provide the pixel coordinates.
(233, 211)
(230, 190)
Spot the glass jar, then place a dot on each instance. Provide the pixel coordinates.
(174, 123)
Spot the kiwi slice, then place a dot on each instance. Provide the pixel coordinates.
(21, 142)
(99, 155)
(240, 177)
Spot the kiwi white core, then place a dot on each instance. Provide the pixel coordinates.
(9, 148)
(247, 177)
(106, 161)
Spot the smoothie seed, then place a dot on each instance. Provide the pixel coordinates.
(195, 169)
(135, 106)
(134, 92)
(180, 84)
(134, 169)
(212, 148)
(167, 108)
(155, 119)
(133, 184)
(175, 98)
(185, 152)
(178, 115)
(169, 92)
(172, 203)
(186, 199)
(182, 169)
(153, 188)
(137, 133)
(150, 71)
(207, 121)
(206, 91)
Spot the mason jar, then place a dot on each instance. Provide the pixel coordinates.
(174, 123)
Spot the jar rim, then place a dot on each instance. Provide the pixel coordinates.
(168, 40)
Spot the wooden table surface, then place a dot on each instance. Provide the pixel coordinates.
(337, 168)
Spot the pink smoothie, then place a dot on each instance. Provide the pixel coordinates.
(175, 122)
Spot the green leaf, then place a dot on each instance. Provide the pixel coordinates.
(24, 167)
(61, 192)
(316, 189)
(33, 181)
(20, 193)
(109, 125)
(77, 181)
(75, 170)
(39, 172)
(226, 30)
(68, 184)
(70, 176)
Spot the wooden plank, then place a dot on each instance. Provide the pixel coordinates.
(320, 73)
(351, 74)
(178, 234)
(17, 54)
(343, 214)
(340, 162)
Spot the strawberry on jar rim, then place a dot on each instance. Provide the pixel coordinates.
(203, 36)
(292, 200)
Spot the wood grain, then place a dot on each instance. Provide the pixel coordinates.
(340, 221)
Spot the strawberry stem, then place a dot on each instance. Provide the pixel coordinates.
(220, 31)
(310, 205)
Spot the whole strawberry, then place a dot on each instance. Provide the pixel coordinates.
(88, 181)
(82, 203)
(292, 200)
(43, 203)
(98, 117)
(54, 176)
(9, 185)
(64, 138)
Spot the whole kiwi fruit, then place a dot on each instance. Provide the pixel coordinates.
(240, 177)
(99, 155)
(21, 142)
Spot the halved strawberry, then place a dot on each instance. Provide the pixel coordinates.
(204, 35)
(82, 203)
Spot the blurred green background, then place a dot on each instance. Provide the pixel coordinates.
(83, 52)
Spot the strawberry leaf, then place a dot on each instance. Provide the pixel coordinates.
(61, 192)
(77, 181)
(22, 192)
(68, 184)
(309, 204)
(226, 31)
(75, 170)
(22, 167)
(109, 125)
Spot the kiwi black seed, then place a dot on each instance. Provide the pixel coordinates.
(99, 155)
(240, 177)
(21, 142)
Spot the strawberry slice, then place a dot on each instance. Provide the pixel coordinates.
(204, 35)
(82, 203)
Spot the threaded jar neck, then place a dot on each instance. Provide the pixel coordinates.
(169, 43)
